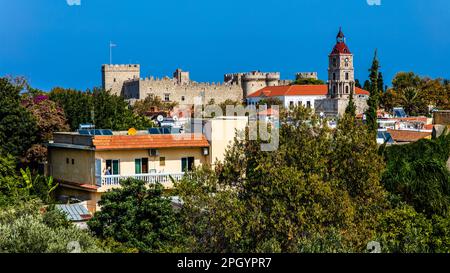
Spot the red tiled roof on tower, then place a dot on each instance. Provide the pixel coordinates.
(340, 47)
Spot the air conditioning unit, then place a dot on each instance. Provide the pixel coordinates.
(153, 152)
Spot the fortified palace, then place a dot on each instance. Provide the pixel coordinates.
(125, 80)
(330, 99)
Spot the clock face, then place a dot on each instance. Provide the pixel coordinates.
(347, 60)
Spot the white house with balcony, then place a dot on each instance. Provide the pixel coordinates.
(90, 162)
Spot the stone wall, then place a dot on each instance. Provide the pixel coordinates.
(336, 107)
(184, 94)
(125, 80)
(441, 117)
(114, 76)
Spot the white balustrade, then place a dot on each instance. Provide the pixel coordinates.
(114, 180)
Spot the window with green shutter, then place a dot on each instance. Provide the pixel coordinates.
(137, 166)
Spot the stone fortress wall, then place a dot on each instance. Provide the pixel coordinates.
(113, 76)
(169, 89)
(125, 80)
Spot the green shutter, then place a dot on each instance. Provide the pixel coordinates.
(137, 166)
(184, 164)
(115, 167)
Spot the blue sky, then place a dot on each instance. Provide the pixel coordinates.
(54, 44)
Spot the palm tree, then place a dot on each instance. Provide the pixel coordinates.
(411, 99)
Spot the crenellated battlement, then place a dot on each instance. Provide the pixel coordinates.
(306, 75)
(125, 80)
(121, 67)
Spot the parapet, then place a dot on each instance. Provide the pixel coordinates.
(121, 67)
(307, 75)
(258, 76)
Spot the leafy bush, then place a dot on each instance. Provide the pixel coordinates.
(139, 217)
(418, 173)
(26, 228)
(403, 230)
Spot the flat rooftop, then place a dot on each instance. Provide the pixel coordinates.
(120, 140)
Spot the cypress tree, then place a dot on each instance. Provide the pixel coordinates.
(366, 85)
(351, 107)
(371, 114)
(380, 83)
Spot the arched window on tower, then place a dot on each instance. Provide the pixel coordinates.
(347, 89)
(346, 76)
(334, 90)
(334, 76)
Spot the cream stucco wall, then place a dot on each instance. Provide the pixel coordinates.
(81, 171)
(172, 163)
(221, 132)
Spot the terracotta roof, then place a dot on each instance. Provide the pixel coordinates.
(428, 127)
(360, 91)
(408, 136)
(149, 141)
(418, 119)
(298, 90)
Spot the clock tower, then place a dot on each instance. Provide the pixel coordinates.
(341, 73)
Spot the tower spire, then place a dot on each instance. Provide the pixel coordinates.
(340, 38)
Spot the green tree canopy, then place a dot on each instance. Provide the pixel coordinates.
(17, 126)
(141, 107)
(308, 81)
(139, 216)
(282, 201)
(418, 173)
(30, 227)
(106, 111)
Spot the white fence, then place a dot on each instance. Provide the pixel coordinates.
(113, 180)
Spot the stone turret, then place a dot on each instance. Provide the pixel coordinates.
(253, 81)
(114, 76)
(306, 75)
(181, 77)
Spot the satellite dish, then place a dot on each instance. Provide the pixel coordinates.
(175, 118)
(160, 118)
(132, 132)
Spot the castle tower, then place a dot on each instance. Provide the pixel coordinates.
(182, 77)
(341, 73)
(114, 76)
(256, 80)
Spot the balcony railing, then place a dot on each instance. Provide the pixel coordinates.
(114, 180)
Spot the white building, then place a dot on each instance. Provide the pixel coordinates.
(331, 98)
(295, 95)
